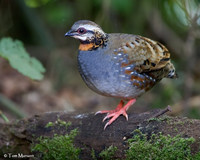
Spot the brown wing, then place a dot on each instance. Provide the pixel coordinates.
(150, 57)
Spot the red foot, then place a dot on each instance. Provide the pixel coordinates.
(114, 114)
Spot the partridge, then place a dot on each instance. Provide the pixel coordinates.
(119, 65)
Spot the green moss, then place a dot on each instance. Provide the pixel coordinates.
(93, 154)
(159, 119)
(141, 146)
(58, 147)
(108, 153)
(179, 122)
(159, 147)
(58, 122)
(62, 123)
(49, 124)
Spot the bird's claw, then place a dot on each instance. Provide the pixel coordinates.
(114, 114)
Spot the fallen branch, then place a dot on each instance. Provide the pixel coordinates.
(17, 137)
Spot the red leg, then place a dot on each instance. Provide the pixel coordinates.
(114, 114)
(119, 106)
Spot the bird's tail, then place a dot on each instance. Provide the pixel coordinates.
(171, 71)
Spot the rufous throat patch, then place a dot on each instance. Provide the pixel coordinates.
(85, 47)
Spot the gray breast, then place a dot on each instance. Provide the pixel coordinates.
(102, 72)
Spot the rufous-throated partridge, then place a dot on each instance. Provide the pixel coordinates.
(119, 65)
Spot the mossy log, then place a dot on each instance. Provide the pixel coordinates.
(17, 137)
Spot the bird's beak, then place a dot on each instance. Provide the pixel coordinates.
(70, 33)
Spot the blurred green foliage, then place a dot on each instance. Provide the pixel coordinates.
(57, 15)
(179, 14)
(36, 3)
(19, 59)
(175, 23)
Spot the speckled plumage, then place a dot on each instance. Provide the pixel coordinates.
(119, 65)
(107, 70)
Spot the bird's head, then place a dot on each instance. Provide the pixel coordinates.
(87, 32)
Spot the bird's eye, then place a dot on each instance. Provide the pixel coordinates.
(81, 30)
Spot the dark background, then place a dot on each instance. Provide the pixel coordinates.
(41, 25)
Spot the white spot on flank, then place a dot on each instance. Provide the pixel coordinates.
(119, 54)
(128, 68)
(124, 61)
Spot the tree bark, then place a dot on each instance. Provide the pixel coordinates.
(18, 136)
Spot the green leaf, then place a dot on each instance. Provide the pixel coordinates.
(20, 60)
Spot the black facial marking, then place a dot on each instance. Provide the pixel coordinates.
(90, 31)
